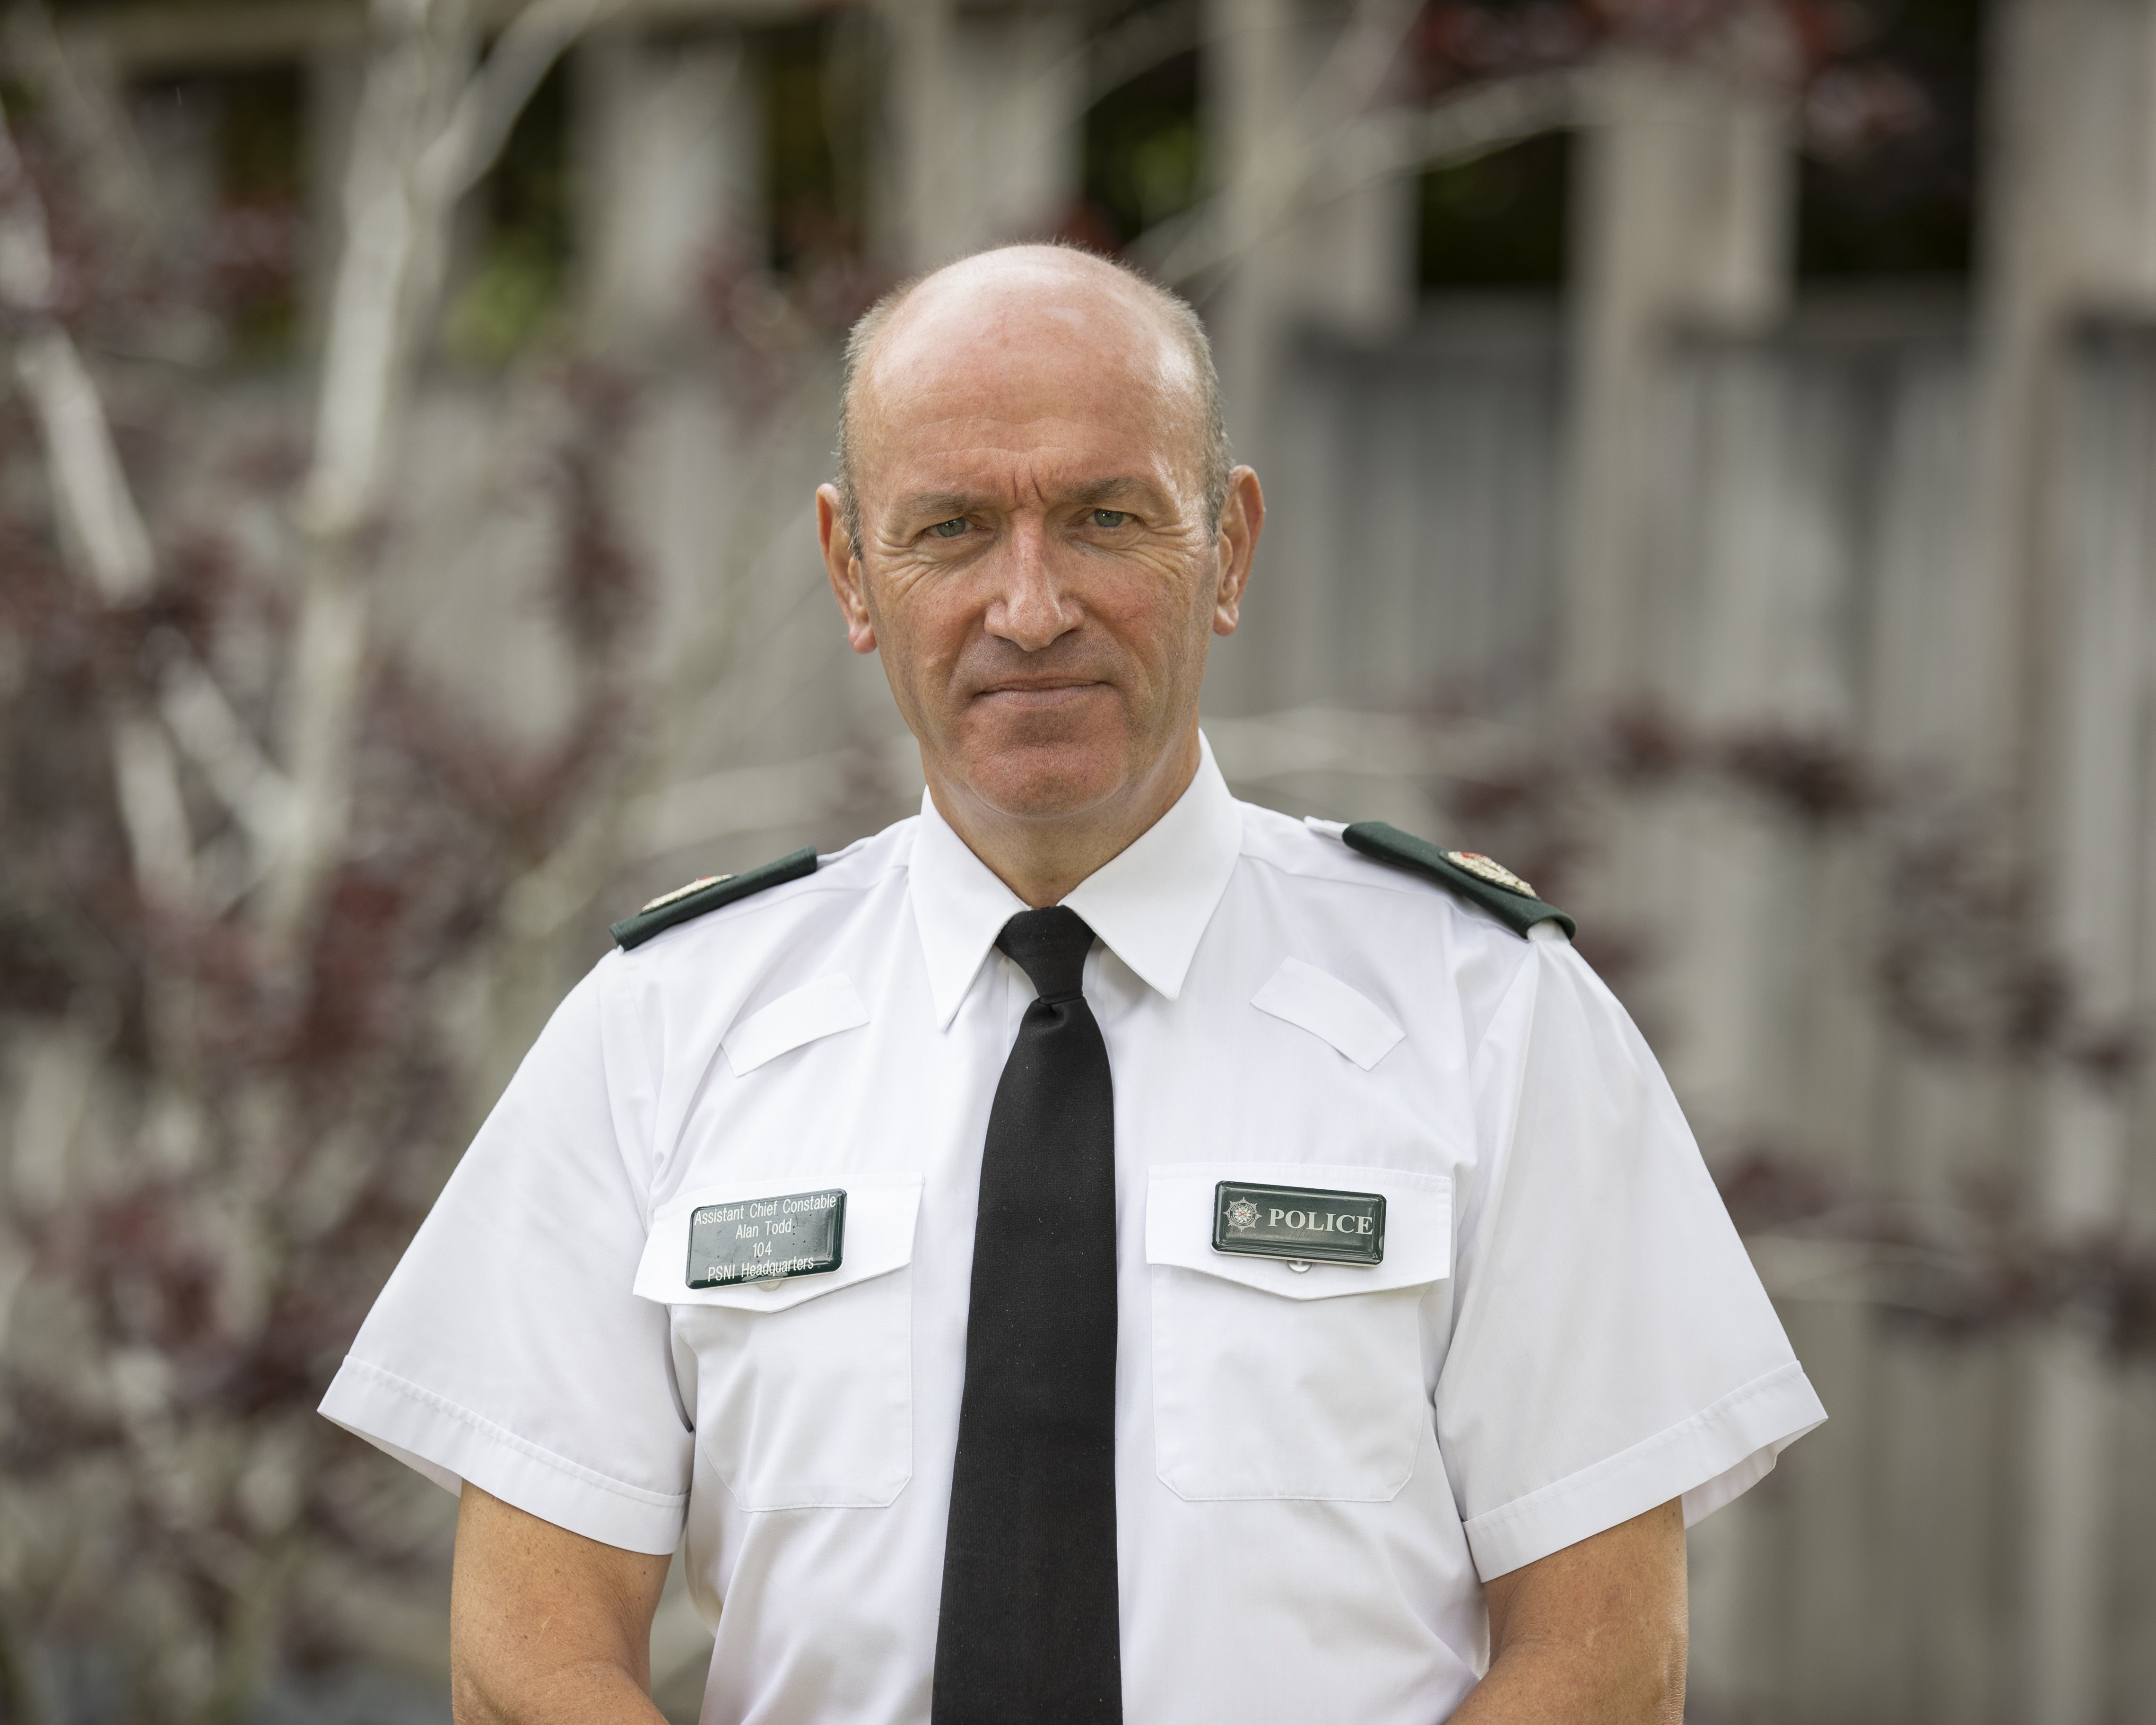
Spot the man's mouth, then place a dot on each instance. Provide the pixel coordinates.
(1060, 692)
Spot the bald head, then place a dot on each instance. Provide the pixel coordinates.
(1039, 535)
(1021, 305)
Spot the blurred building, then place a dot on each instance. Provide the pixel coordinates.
(1703, 406)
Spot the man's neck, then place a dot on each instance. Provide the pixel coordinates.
(1044, 859)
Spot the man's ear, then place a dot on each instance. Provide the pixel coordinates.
(848, 579)
(1242, 519)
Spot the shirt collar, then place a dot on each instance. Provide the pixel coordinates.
(1149, 905)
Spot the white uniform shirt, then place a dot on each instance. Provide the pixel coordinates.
(1316, 1470)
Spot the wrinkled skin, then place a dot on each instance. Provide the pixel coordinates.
(1037, 567)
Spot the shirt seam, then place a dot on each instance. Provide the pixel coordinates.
(641, 1189)
(1490, 1214)
(1391, 881)
(632, 1020)
(776, 898)
(509, 1439)
(1406, 886)
(1595, 1473)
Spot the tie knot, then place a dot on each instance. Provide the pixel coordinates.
(1050, 947)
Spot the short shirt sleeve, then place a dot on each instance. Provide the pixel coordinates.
(507, 1348)
(1613, 1348)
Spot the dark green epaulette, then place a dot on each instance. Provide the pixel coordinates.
(1465, 873)
(685, 903)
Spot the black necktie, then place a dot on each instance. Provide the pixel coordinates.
(1029, 1633)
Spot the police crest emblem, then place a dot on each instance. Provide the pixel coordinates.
(1243, 1214)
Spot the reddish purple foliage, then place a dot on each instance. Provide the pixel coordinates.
(1956, 1272)
(448, 815)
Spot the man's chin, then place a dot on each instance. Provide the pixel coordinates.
(1046, 776)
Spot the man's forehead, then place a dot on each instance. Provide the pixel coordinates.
(930, 486)
(999, 293)
(998, 336)
(994, 456)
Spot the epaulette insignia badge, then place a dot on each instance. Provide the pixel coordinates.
(707, 893)
(1466, 873)
(668, 898)
(1491, 869)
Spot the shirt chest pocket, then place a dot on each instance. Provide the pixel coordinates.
(1274, 1382)
(803, 1383)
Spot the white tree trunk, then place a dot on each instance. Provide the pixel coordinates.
(427, 127)
(1682, 213)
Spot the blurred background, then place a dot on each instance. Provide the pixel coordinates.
(1711, 447)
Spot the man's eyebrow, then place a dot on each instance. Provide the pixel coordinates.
(940, 506)
(1109, 490)
(943, 505)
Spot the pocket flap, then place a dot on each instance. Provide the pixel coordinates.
(1303, 995)
(1180, 1202)
(823, 1008)
(880, 1211)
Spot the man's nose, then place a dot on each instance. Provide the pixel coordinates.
(1032, 610)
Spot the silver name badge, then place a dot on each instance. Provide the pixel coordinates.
(1301, 1223)
(763, 1238)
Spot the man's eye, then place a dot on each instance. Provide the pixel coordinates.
(1110, 518)
(951, 529)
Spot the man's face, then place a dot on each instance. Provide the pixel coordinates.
(1037, 567)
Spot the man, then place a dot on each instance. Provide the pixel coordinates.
(1097, 1250)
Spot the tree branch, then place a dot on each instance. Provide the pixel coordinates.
(428, 128)
(100, 527)
(146, 777)
(102, 536)
(85, 112)
(1451, 131)
(496, 95)
(217, 740)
